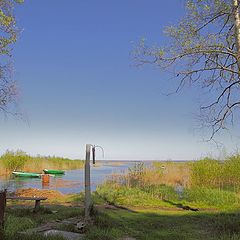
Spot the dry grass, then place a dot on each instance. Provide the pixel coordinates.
(175, 173)
(164, 173)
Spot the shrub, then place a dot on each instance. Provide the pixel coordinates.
(211, 197)
(207, 172)
(14, 160)
(231, 174)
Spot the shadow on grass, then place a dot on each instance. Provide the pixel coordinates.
(110, 224)
(179, 205)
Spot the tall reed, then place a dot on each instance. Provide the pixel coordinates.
(19, 160)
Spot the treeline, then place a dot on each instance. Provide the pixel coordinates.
(21, 161)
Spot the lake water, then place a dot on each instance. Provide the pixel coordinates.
(71, 182)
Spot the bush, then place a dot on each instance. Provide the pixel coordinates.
(211, 197)
(207, 172)
(231, 174)
(14, 160)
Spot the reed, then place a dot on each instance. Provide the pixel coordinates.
(21, 161)
(203, 183)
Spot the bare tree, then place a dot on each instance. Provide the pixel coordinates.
(8, 36)
(205, 51)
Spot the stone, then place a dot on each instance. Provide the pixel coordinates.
(66, 235)
(81, 226)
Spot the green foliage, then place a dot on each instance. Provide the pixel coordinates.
(217, 174)
(206, 196)
(232, 170)
(9, 30)
(19, 160)
(202, 51)
(207, 172)
(212, 184)
(14, 160)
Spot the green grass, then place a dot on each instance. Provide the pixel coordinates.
(21, 219)
(129, 196)
(155, 209)
(217, 174)
(158, 220)
(198, 197)
(210, 197)
(152, 225)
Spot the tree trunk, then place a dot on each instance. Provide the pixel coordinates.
(237, 29)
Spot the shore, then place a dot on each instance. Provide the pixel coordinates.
(169, 201)
(112, 222)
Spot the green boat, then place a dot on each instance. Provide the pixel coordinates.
(26, 174)
(51, 171)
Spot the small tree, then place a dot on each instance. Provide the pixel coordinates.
(14, 160)
(204, 50)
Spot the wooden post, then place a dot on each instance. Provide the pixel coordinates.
(88, 201)
(2, 207)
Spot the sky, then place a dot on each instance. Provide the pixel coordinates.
(78, 84)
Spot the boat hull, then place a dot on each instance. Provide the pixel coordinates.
(26, 174)
(56, 172)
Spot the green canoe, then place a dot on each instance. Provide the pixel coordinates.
(50, 171)
(26, 174)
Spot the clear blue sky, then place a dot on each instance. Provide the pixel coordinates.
(73, 66)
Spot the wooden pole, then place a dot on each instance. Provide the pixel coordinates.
(88, 201)
(2, 207)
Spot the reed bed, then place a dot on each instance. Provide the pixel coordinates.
(21, 161)
(203, 183)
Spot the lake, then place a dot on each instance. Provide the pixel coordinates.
(71, 182)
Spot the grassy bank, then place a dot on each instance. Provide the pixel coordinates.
(207, 183)
(139, 223)
(19, 160)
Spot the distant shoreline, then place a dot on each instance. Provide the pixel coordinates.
(145, 160)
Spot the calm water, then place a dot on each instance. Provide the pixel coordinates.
(71, 182)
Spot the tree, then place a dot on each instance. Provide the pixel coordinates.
(8, 36)
(205, 51)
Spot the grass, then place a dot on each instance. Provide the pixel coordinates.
(21, 161)
(142, 224)
(207, 183)
(156, 200)
(152, 225)
(21, 219)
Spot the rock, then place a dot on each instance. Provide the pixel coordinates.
(81, 226)
(66, 235)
